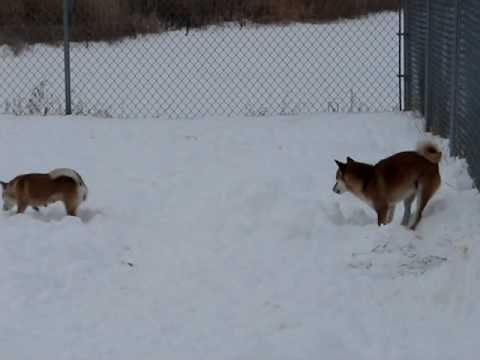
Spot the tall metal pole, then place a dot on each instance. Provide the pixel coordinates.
(454, 81)
(407, 105)
(401, 74)
(66, 55)
(426, 97)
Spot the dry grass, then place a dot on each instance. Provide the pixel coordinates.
(32, 21)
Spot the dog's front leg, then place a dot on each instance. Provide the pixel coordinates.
(21, 206)
(382, 214)
(391, 214)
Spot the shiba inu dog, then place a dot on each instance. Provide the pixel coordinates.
(405, 176)
(36, 190)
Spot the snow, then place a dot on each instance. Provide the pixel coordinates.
(350, 65)
(221, 238)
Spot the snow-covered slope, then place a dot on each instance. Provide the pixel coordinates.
(348, 65)
(222, 239)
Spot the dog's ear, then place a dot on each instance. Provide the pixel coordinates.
(350, 160)
(341, 165)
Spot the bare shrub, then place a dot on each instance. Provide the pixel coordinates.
(36, 21)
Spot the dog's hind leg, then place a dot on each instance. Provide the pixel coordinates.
(70, 206)
(425, 193)
(407, 203)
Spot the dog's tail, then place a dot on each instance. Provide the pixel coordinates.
(429, 151)
(72, 174)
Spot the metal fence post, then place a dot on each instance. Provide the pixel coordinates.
(426, 96)
(401, 74)
(454, 82)
(66, 54)
(406, 56)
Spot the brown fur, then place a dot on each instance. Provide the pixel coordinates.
(400, 177)
(40, 189)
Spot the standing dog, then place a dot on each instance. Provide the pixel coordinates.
(35, 190)
(401, 177)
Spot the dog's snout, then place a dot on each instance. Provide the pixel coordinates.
(335, 189)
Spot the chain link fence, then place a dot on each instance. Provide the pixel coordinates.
(31, 76)
(442, 70)
(226, 68)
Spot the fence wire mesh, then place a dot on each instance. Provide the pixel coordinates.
(440, 65)
(234, 68)
(31, 77)
(443, 77)
(249, 70)
(415, 22)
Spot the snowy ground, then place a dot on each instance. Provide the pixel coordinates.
(349, 65)
(222, 239)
